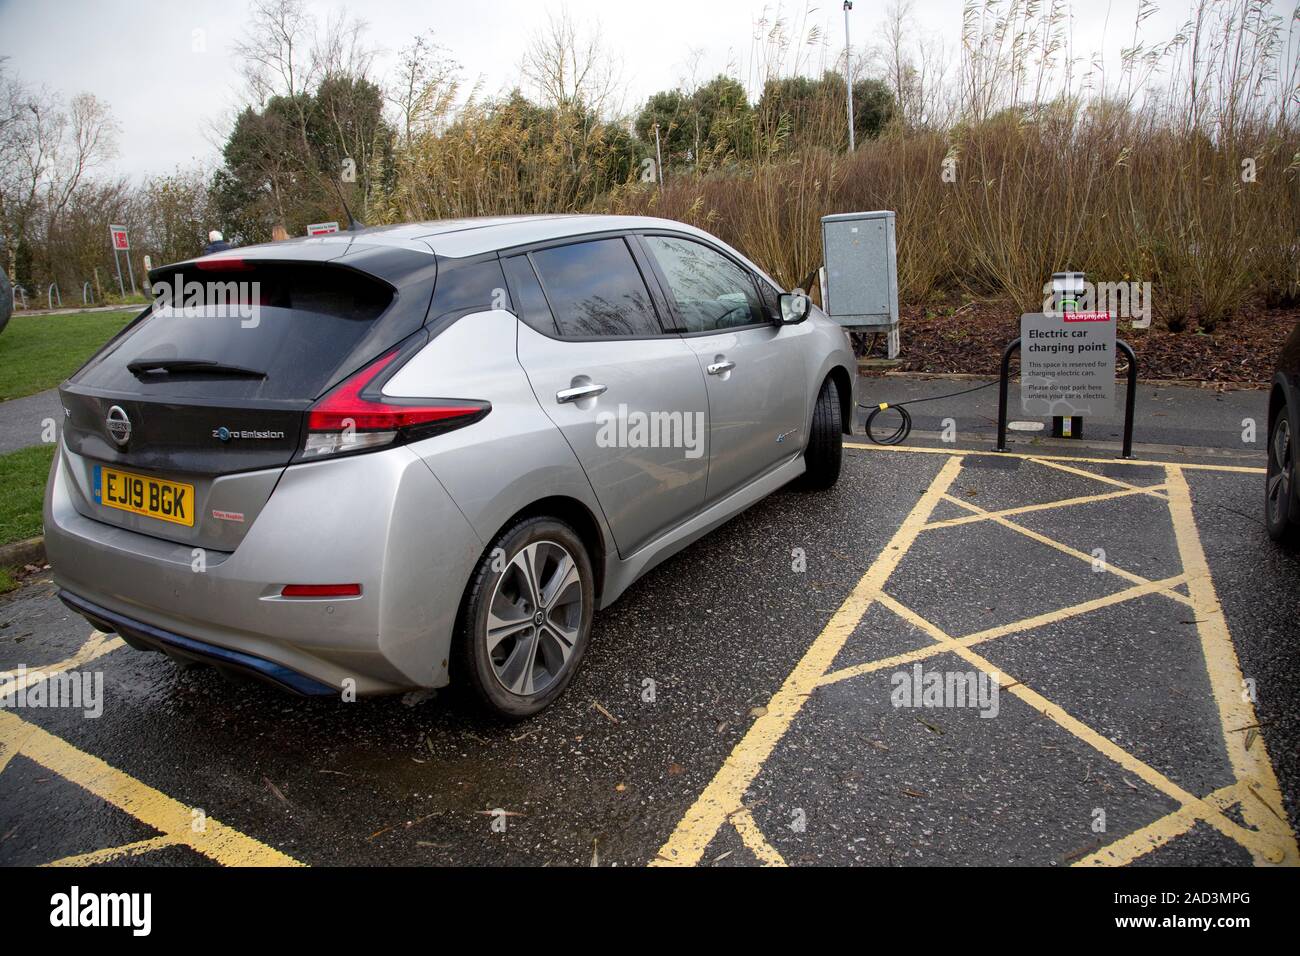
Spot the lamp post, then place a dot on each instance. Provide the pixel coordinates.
(848, 70)
(659, 159)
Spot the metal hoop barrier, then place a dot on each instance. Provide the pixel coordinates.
(1130, 401)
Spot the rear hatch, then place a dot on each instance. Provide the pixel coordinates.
(181, 426)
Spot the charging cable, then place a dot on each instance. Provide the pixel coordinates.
(904, 428)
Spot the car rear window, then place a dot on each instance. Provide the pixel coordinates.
(291, 323)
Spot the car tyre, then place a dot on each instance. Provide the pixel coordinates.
(825, 448)
(1280, 515)
(526, 618)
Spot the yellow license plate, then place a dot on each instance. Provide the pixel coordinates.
(152, 497)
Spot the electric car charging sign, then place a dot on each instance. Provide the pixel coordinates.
(1067, 363)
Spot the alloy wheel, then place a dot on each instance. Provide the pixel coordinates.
(534, 618)
(1280, 469)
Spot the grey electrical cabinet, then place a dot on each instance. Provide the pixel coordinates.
(861, 276)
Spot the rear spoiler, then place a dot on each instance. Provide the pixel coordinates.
(397, 265)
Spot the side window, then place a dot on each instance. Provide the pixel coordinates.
(463, 284)
(770, 294)
(711, 291)
(595, 289)
(529, 299)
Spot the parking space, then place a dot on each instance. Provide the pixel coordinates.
(953, 657)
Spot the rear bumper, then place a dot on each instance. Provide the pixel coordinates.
(381, 520)
(147, 637)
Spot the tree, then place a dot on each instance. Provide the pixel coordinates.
(800, 111)
(174, 214)
(47, 152)
(314, 125)
(873, 107)
(425, 89)
(705, 128)
(570, 68)
(670, 111)
(266, 170)
(346, 126)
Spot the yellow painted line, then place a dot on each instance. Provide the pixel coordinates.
(1142, 841)
(1002, 630)
(753, 838)
(1046, 506)
(725, 791)
(1261, 843)
(151, 807)
(1104, 479)
(1110, 566)
(1252, 766)
(870, 667)
(1163, 587)
(1156, 833)
(96, 646)
(11, 745)
(114, 853)
(1237, 469)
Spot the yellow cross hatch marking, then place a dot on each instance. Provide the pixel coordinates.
(173, 819)
(1267, 835)
(722, 796)
(753, 838)
(1044, 459)
(1048, 506)
(1063, 548)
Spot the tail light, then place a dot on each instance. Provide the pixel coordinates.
(320, 590)
(220, 263)
(356, 416)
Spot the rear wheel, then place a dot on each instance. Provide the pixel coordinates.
(825, 440)
(1280, 481)
(527, 618)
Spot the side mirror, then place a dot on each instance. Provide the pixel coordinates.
(795, 307)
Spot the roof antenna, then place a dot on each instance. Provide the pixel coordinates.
(354, 225)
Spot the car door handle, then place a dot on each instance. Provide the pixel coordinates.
(717, 368)
(578, 393)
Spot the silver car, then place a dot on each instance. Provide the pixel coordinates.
(394, 458)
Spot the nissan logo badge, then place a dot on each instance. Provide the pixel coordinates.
(119, 426)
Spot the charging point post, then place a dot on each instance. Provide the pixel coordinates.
(1067, 368)
(1067, 291)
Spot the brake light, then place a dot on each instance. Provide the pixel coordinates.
(320, 590)
(355, 416)
(219, 263)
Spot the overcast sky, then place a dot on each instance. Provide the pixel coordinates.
(138, 55)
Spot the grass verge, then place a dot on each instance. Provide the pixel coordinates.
(23, 475)
(39, 351)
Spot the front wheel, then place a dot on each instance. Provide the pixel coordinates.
(527, 617)
(825, 440)
(1280, 480)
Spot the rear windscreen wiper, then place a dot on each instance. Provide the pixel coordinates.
(146, 366)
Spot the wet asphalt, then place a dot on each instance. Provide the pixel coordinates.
(682, 666)
(1180, 416)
